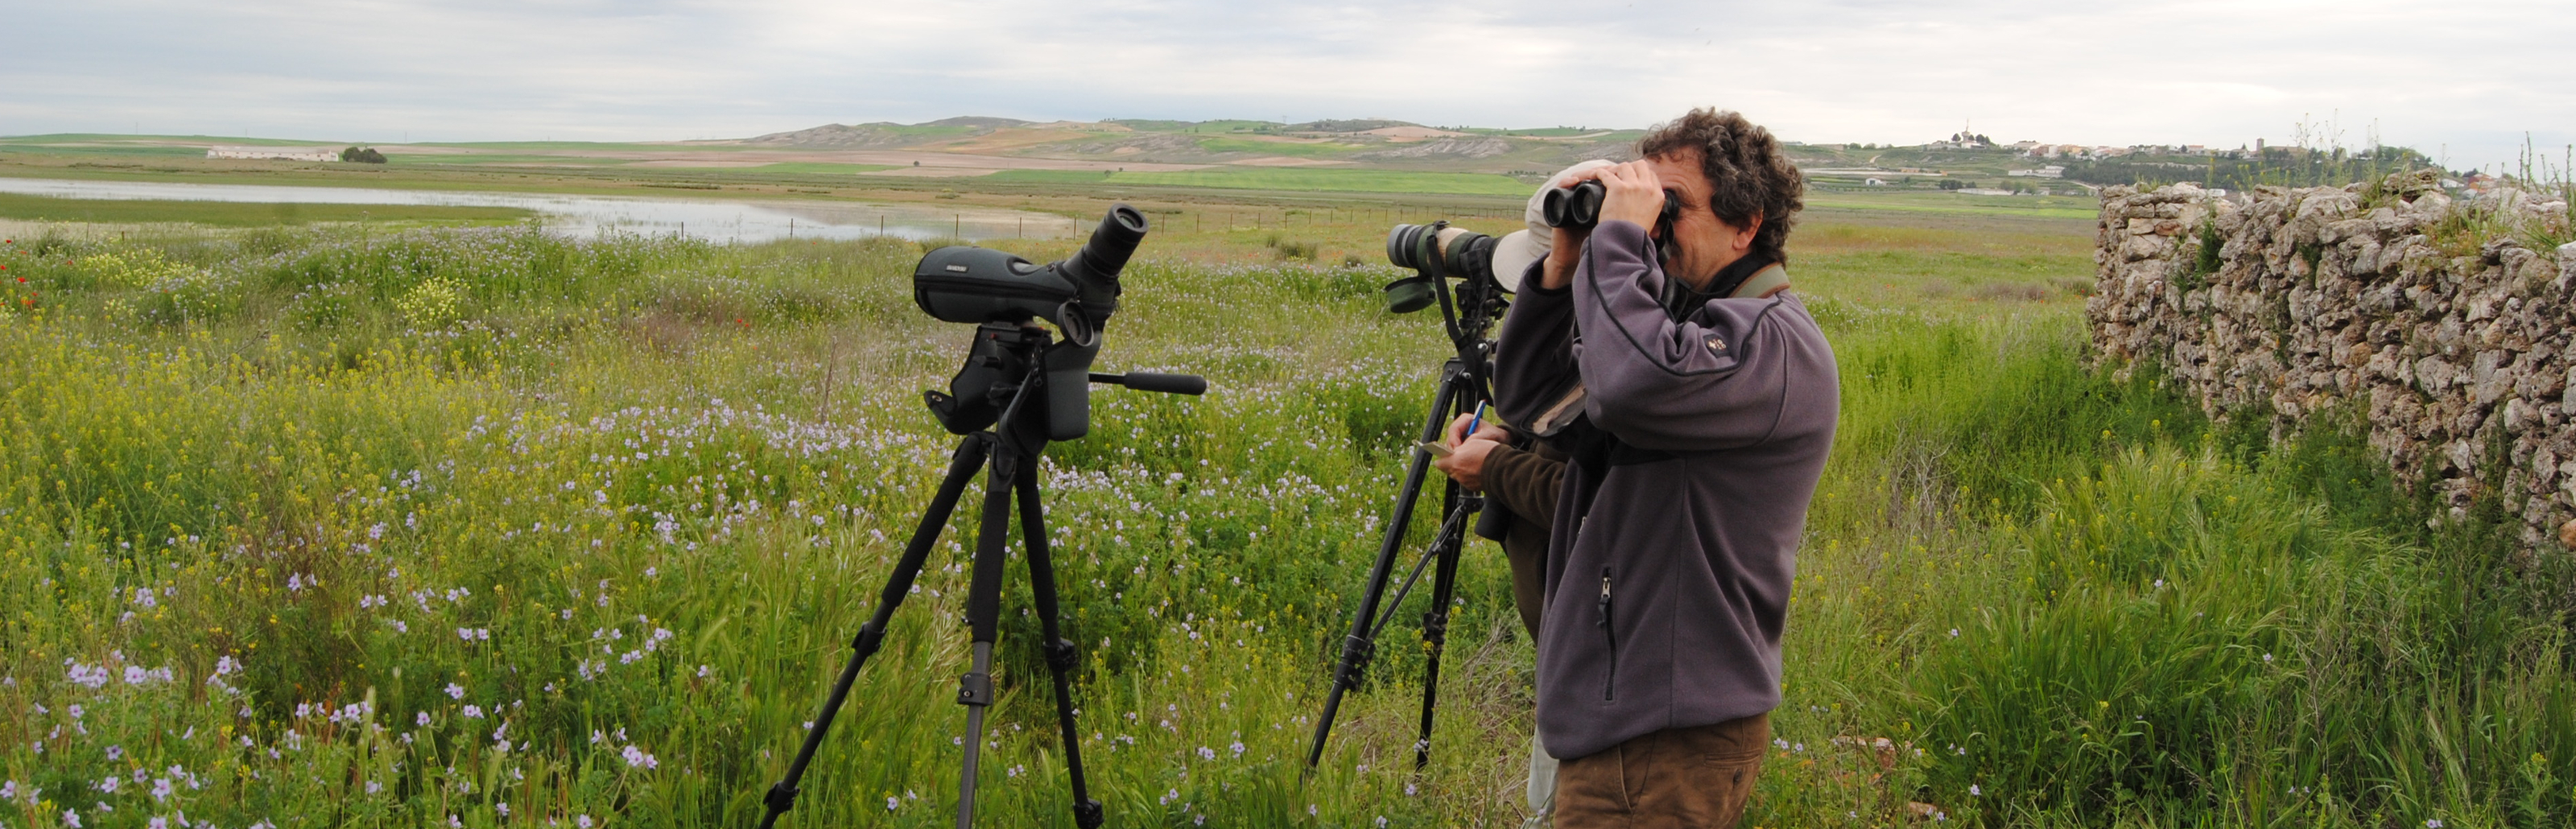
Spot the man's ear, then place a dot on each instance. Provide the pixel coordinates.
(1744, 238)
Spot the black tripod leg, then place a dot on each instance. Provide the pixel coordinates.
(1060, 654)
(1435, 622)
(983, 617)
(1360, 646)
(961, 470)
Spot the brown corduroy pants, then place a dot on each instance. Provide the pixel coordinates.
(1677, 777)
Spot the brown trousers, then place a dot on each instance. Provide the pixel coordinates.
(1694, 777)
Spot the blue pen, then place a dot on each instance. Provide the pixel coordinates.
(1479, 422)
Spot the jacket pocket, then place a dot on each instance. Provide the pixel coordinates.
(1610, 638)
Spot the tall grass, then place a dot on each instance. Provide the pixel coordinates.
(494, 528)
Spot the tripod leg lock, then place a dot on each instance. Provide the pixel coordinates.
(975, 689)
(1356, 653)
(870, 638)
(781, 797)
(1061, 656)
(1435, 627)
(1087, 814)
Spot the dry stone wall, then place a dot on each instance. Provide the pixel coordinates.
(2433, 316)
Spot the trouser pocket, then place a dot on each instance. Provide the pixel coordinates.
(1609, 638)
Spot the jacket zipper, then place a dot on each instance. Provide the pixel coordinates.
(1610, 635)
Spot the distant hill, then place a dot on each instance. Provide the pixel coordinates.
(1364, 142)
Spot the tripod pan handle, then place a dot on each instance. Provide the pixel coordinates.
(1153, 381)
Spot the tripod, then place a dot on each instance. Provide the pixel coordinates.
(1463, 384)
(1009, 450)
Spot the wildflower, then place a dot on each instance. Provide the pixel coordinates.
(1206, 753)
(473, 712)
(108, 784)
(115, 753)
(374, 787)
(1973, 791)
(423, 719)
(582, 821)
(455, 691)
(71, 819)
(1381, 822)
(891, 802)
(636, 758)
(1237, 747)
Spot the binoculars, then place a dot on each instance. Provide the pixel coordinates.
(1579, 206)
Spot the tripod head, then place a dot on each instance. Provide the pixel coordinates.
(1008, 360)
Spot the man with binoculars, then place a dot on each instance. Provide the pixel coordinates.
(1693, 397)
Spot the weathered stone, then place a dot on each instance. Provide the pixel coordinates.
(2317, 302)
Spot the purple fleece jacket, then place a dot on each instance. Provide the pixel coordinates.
(1668, 589)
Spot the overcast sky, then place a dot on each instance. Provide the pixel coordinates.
(2469, 77)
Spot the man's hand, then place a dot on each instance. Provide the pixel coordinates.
(1466, 461)
(1636, 193)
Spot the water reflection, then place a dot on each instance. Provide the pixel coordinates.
(720, 220)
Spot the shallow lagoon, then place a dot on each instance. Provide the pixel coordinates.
(720, 220)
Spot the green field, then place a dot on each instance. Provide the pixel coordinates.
(240, 214)
(818, 167)
(1290, 179)
(2050, 207)
(483, 527)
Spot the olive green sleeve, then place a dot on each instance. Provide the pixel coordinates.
(1526, 483)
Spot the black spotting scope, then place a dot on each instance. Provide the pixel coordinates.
(987, 287)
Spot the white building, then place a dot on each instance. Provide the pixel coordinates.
(277, 153)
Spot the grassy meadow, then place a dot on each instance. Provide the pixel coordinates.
(310, 526)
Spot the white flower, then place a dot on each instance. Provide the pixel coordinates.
(473, 712)
(423, 719)
(1973, 791)
(582, 821)
(71, 819)
(455, 691)
(1237, 748)
(1206, 753)
(892, 801)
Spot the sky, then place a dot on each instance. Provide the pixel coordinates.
(2463, 81)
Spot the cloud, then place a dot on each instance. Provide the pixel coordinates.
(2471, 76)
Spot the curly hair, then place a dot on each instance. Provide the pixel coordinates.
(1747, 173)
